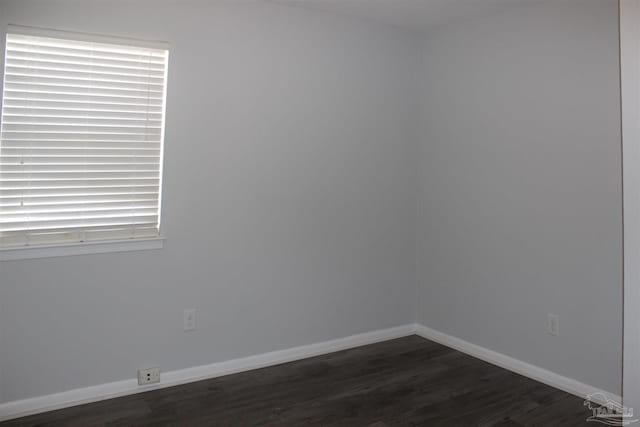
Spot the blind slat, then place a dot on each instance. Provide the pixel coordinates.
(91, 83)
(37, 92)
(130, 220)
(51, 56)
(41, 114)
(77, 168)
(16, 129)
(80, 160)
(75, 51)
(12, 220)
(22, 154)
(81, 76)
(30, 202)
(79, 191)
(35, 139)
(37, 37)
(61, 198)
(84, 69)
(49, 176)
(75, 207)
(91, 99)
(88, 106)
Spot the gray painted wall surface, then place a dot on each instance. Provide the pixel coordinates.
(287, 203)
(298, 146)
(521, 186)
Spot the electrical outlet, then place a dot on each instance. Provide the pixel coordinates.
(148, 376)
(190, 319)
(553, 325)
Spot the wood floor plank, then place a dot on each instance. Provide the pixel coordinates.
(405, 382)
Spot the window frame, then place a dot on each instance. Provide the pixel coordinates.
(12, 253)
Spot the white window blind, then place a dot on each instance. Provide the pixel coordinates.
(81, 140)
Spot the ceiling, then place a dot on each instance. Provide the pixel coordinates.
(408, 14)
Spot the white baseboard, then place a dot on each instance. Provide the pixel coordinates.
(35, 405)
(534, 372)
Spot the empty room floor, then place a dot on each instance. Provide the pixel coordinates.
(404, 382)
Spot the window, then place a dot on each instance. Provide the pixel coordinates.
(81, 139)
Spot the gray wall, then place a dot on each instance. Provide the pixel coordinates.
(299, 131)
(520, 199)
(287, 200)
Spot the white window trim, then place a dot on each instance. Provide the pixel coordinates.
(87, 37)
(95, 247)
(83, 248)
(630, 97)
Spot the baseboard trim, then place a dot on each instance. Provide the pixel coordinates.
(51, 402)
(35, 405)
(518, 366)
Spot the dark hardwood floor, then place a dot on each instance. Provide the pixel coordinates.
(404, 382)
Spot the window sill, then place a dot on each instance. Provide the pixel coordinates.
(33, 252)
